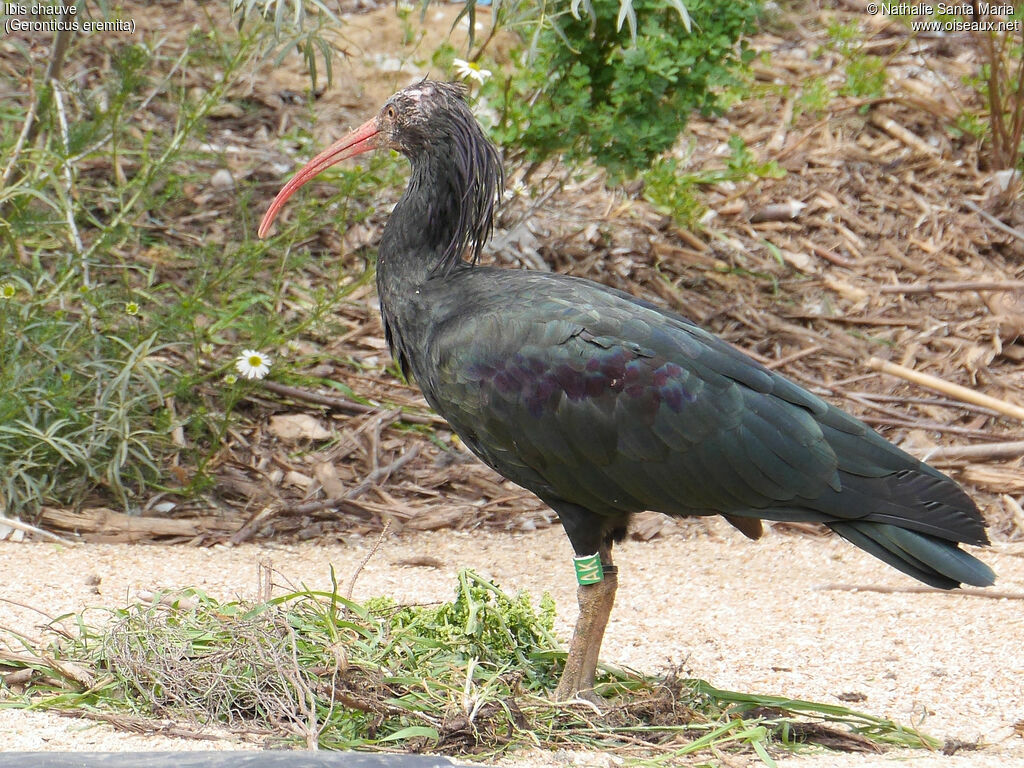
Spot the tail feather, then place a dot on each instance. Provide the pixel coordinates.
(934, 561)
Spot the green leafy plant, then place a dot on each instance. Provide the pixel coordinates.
(617, 82)
(865, 73)
(865, 77)
(673, 190)
(293, 24)
(815, 96)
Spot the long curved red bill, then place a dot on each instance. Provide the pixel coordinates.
(362, 139)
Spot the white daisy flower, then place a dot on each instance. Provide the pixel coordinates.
(470, 70)
(252, 364)
(518, 189)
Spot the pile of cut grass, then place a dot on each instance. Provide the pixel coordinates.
(470, 677)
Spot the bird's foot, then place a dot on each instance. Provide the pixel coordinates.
(590, 697)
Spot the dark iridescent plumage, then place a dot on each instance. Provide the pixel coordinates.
(605, 405)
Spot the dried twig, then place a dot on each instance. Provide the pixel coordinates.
(372, 479)
(254, 523)
(981, 285)
(268, 513)
(778, 138)
(948, 388)
(19, 145)
(1016, 511)
(994, 221)
(32, 126)
(825, 253)
(1008, 450)
(939, 401)
(344, 405)
(69, 183)
(101, 521)
(147, 725)
(931, 426)
(362, 563)
(18, 525)
(897, 131)
(800, 353)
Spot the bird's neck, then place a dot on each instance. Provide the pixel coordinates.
(424, 235)
(423, 239)
(447, 208)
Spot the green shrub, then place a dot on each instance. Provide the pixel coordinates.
(592, 90)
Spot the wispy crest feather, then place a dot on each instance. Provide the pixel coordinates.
(479, 180)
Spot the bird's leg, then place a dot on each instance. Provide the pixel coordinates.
(595, 602)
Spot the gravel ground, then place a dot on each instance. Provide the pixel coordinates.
(754, 617)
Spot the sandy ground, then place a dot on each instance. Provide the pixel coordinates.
(754, 617)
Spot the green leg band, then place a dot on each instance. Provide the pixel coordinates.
(588, 569)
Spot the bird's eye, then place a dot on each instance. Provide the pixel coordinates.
(389, 112)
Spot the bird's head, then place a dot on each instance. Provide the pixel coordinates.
(425, 118)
